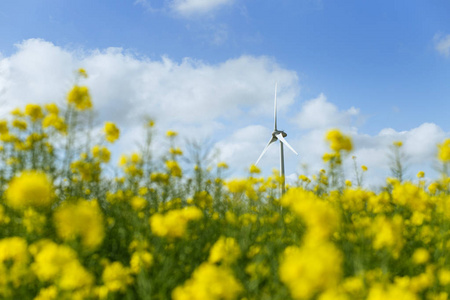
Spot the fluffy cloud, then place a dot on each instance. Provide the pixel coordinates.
(196, 98)
(197, 7)
(231, 103)
(318, 113)
(187, 8)
(442, 44)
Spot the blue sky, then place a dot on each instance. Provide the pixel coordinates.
(377, 65)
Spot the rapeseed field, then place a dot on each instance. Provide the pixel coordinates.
(71, 230)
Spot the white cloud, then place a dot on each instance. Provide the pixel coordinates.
(186, 8)
(230, 102)
(189, 8)
(318, 113)
(193, 97)
(442, 44)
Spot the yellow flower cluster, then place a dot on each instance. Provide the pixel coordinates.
(174, 168)
(79, 97)
(82, 219)
(111, 132)
(226, 250)
(14, 260)
(34, 111)
(209, 282)
(59, 265)
(116, 277)
(101, 153)
(310, 269)
(30, 189)
(338, 141)
(173, 224)
(70, 230)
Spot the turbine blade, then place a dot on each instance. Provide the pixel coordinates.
(275, 107)
(281, 138)
(273, 139)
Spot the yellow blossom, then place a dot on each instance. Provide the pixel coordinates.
(176, 151)
(138, 203)
(20, 124)
(398, 144)
(82, 219)
(34, 111)
(420, 174)
(82, 73)
(80, 97)
(101, 153)
(14, 259)
(174, 223)
(55, 121)
(420, 256)
(141, 260)
(310, 269)
(225, 250)
(222, 165)
(111, 132)
(444, 151)
(174, 168)
(59, 264)
(254, 169)
(338, 141)
(171, 133)
(4, 127)
(116, 277)
(364, 168)
(30, 189)
(209, 282)
(33, 221)
(52, 108)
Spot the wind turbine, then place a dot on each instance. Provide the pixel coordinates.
(278, 135)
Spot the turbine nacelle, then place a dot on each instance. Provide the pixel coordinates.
(276, 132)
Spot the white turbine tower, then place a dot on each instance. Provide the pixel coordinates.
(280, 136)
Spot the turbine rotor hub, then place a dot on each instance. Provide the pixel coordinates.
(274, 134)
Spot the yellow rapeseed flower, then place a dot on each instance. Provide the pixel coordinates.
(20, 124)
(14, 259)
(138, 203)
(420, 256)
(225, 250)
(55, 121)
(140, 260)
(52, 108)
(222, 165)
(82, 73)
(310, 269)
(34, 111)
(4, 127)
(30, 189)
(173, 224)
(444, 151)
(59, 264)
(254, 169)
(101, 153)
(171, 133)
(82, 219)
(174, 168)
(111, 132)
(209, 282)
(80, 97)
(116, 277)
(339, 141)
(398, 144)
(420, 174)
